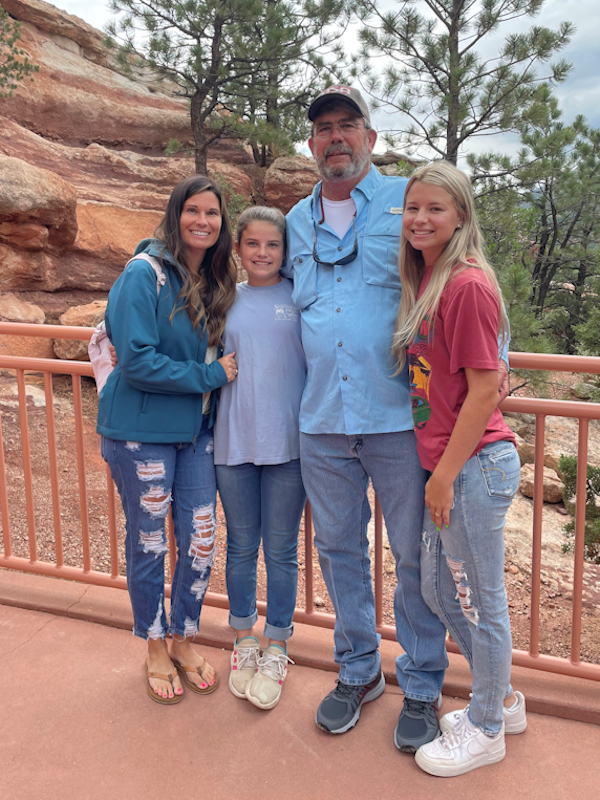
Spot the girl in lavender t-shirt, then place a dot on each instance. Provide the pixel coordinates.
(450, 319)
(257, 456)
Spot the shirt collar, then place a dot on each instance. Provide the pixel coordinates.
(366, 188)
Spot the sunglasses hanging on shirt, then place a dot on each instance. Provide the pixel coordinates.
(342, 261)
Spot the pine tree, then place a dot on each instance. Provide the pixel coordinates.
(446, 84)
(234, 59)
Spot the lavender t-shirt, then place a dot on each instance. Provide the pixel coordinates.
(257, 421)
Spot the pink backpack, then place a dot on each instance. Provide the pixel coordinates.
(98, 347)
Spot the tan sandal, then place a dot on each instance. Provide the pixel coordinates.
(161, 676)
(183, 670)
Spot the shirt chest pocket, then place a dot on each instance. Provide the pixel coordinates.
(381, 243)
(305, 281)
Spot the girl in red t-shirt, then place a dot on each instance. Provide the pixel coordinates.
(450, 322)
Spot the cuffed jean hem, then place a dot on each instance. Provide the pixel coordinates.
(423, 698)
(279, 634)
(355, 682)
(243, 623)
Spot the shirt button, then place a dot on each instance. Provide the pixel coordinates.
(338, 310)
(339, 280)
(345, 378)
(339, 249)
(299, 260)
(340, 344)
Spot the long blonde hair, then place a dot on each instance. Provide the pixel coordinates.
(464, 249)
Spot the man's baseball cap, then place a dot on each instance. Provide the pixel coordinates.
(347, 93)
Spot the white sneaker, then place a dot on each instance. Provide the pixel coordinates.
(243, 665)
(264, 690)
(515, 718)
(460, 750)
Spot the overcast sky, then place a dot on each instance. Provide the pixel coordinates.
(580, 94)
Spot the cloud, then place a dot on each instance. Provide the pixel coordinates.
(94, 13)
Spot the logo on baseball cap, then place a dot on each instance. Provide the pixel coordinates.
(347, 93)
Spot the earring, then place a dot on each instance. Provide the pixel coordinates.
(458, 227)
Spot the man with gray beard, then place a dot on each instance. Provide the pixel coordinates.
(355, 420)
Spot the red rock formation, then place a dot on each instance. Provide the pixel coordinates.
(36, 197)
(79, 96)
(82, 175)
(288, 180)
(12, 309)
(86, 316)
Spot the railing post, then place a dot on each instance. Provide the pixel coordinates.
(536, 554)
(580, 509)
(27, 471)
(4, 498)
(83, 499)
(53, 463)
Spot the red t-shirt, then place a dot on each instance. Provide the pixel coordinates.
(465, 335)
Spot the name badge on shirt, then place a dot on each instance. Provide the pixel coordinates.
(397, 210)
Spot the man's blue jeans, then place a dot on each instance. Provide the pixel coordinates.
(262, 502)
(336, 469)
(151, 478)
(462, 569)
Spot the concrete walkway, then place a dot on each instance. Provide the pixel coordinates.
(77, 723)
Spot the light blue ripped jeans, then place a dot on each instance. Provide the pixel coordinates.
(151, 478)
(462, 576)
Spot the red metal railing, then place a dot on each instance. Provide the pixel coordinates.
(541, 408)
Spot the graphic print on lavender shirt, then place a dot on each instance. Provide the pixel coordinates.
(419, 375)
(286, 312)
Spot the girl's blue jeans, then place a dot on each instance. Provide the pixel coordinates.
(262, 503)
(151, 478)
(462, 576)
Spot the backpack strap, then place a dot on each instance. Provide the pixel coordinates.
(161, 278)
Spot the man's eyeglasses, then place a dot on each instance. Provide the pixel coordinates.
(347, 128)
(343, 261)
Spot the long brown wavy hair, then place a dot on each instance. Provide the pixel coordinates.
(208, 294)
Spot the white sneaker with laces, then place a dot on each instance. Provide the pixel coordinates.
(462, 749)
(243, 665)
(515, 717)
(264, 690)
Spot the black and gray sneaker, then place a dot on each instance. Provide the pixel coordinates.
(340, 710)
(417, 725)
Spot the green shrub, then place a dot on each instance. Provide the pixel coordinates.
(236, 203)
(568, 471)
(173, 146)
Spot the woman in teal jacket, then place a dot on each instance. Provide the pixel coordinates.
(156, 414)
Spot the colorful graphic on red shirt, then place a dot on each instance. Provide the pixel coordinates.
(419, 373)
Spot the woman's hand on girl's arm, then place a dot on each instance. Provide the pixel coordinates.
(472, 420)
(503, 384)
(229, 364)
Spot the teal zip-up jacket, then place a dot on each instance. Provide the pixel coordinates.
(154, 394)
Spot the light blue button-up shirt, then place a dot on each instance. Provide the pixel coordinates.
(349, 312)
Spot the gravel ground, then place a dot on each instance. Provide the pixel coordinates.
(556, 609)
